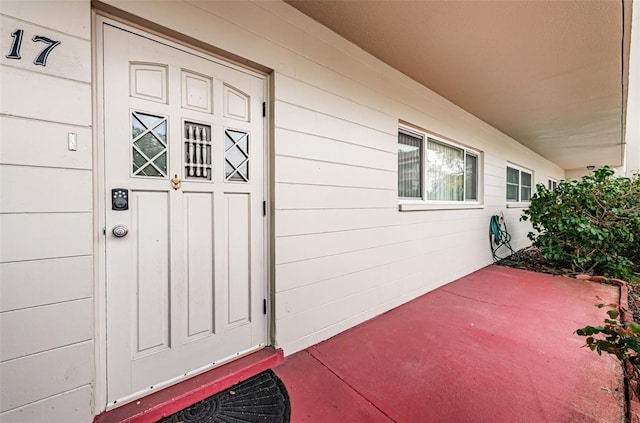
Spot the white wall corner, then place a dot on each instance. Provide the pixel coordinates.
(632, 133)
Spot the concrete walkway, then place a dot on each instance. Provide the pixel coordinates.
(495, 346)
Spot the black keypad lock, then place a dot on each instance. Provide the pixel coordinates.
(119, 199)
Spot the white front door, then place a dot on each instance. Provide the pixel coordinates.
(184, 178)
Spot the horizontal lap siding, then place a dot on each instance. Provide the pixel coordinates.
(56, 408)
(46, 215)
(317, 221)
(48, 327)
(58, 99)
(301, 145)
(28, 189)
(34, 283)
(59, 370)
(37, 236)
(343, 252)
(43, 144)
(301, 196)
(332, 260)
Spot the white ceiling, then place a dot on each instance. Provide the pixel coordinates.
(547, 73)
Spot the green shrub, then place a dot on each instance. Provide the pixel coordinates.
(591, 225)
(621, 340)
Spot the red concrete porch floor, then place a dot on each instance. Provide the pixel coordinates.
(495, 346)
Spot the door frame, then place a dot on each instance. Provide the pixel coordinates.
(98, 18)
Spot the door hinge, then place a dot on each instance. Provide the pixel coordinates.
(264, 306)
(264, 109)
(264, 208)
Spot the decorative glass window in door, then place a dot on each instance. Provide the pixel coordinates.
(197, 151)
(236, 155)
(149, 145)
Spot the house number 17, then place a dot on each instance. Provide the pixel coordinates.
(41, 60)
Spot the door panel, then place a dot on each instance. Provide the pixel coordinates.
(183, 134)
(200, 263)
(151, 255)
(238, 258)
(196, 92)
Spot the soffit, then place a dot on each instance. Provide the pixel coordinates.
(547, 73)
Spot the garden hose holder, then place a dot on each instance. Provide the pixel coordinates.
(500, 237)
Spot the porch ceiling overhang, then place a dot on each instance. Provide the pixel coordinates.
(550, 74)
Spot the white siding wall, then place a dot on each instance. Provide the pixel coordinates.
(46, 242)
(343, 251)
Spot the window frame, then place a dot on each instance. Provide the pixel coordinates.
(422, 203)
(422, 162)
(552, 182)
(520, 170)
(470, 152)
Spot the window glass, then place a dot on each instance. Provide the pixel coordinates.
(435, 170)
(513, 182)
(409, 166)
(519, 184)
(512, 193)
(471, 177)
(513, 176)
(445, 172)
(149, 145)
(525, 189)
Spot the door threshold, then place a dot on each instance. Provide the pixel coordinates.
(172, 399)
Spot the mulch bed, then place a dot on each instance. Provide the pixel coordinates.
(531, 259)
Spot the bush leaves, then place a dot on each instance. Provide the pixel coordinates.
(591, 225)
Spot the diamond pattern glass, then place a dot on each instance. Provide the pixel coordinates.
(236, 155)
(149, 145)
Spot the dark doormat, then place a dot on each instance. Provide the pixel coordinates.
(260, 399)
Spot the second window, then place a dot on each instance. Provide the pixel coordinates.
(519, 184)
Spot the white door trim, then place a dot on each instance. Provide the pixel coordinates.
(98, 19)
